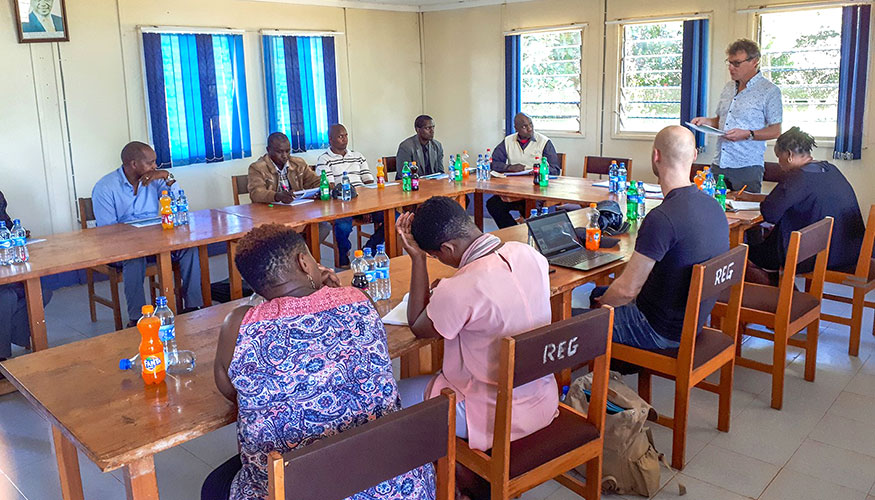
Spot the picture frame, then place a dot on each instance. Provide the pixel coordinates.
(41, 21)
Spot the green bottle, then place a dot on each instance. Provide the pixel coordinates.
(544, 172)
(458, 170)
(720, 192)
(632, 202)
(405, 177)
(324, 188)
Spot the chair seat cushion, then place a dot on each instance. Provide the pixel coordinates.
(765, 298)
(564, 434)
(709, 343)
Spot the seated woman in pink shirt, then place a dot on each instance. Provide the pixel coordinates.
(499, 290)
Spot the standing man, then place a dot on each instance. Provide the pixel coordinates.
(336, 160)
(516, 153)
(277, 175)
(421, 148)
(750, 112)
(130, 193)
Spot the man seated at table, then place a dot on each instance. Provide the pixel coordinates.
(499, 290)
(310, 362)
(131, 193)
(14, 324)
(421, 148)
(517, 152)
(277, 175)
(336, 160)
(809, 191)
(688, 228)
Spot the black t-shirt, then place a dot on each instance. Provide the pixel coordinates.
(807, 195)
(688, 228)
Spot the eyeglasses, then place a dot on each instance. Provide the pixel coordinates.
(736, 64)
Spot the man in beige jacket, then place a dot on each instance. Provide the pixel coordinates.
(277, 175)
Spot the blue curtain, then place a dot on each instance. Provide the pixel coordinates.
(198, 107)
(301, 85)
(512, 80)
(694, 74)
(852, 82)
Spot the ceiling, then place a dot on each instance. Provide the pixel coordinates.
(400, 5)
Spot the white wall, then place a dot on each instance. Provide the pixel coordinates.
(469, 106)
(100, 72)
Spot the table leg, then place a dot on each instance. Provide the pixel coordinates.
(165, 279)
(561, 306)
(410, 366)
(37, 314)
(392, 248)
(478, 209)
(312, 233)
(736, 235)
(234, 280)
(530, 204)
(140, 480)
(206, 290)
(68, 466)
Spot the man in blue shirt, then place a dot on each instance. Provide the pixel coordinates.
(750, 112)
(131, 193)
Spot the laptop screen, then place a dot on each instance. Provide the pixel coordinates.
(554, 233)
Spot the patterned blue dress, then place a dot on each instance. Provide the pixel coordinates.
(308, 368)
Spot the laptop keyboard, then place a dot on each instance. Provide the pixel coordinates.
(574, 258)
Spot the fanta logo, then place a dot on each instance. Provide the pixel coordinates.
(152, 363)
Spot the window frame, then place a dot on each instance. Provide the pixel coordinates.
(582, 28)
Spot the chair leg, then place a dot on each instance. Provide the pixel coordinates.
(92, 307)
(779, 360)
(725, 402)
(593, 486)
(856, 322)
(499, 489)
(153, 287)
(679, 432)
(644, 386)
(811, 335)
(116, 302)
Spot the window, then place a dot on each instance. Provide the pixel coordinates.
(550, 79)
(196, 92)
(800, 54)
(650, 76)
(301, 85)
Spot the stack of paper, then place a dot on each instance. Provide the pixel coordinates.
(738, 206)
(398, 315)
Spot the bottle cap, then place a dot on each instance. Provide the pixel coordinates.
(147, 310)
(592, 205)
(161, 301)
(124, 364)
(358, 253)
(381, 248)
(367, 251)
(16, 221)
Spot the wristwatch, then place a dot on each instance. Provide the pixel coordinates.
(751, 137)
(171, 179)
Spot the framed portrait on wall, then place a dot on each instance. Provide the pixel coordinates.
(41, 21)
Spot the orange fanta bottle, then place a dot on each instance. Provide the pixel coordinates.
(465, 164)
(593, 232)
(151, 348)
(381, 174)
(166, 211)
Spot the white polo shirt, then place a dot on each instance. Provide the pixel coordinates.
(353, 163)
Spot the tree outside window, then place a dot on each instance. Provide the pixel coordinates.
(550, 79)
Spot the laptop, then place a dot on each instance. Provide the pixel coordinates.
(558, 242)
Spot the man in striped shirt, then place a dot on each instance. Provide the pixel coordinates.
(336, 160)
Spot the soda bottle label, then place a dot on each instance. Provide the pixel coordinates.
(6, 244)
(153, 363)
(167, 220)
(593, 237)
(382, 274)
(167, 332)
(371, 275)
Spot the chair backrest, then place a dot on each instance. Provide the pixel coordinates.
(389, 163)
(810, 241)
(561, 163)
(405, 440)
(695, 168)
(864, 261)
(86, 212)
(601, 165)
(773, 172)
(239, 185)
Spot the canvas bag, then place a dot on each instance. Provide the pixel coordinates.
(631, 462)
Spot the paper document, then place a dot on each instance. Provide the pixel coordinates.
(398, 315)
(706, 129)
(652, 188)
(738, 206)
(497, 175)
(374, 185)
(31, 241)
(294, 202)
(527, 171)
(602, 184)
(307, 193)
(145, 222)
(435, 176)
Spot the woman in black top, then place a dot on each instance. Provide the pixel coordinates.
(809, 191)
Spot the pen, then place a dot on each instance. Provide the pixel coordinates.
(742, 189)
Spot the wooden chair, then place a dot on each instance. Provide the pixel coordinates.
(601, 165)
(239, 185)
(561, 163)
(784, 309)
(773, 172)
(861, 281)
(390, 165)
(86, 214)
(360, 458)
(572, 439)
(699, 355)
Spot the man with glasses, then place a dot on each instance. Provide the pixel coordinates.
(750, 112)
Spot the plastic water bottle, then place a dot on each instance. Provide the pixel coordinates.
(545, 210)
(174, 214)
(451, 169)
(19, 243)
(613, 177)
(371, 271)
(167, 332)
(345, 188)
(132, 363)
(6, 250)
(381, 266)
(709, 186)
(621, 177)
(642, 195)
(479, 167)
(182, 208)
(533, 213)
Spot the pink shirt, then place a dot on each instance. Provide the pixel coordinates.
(501, 294)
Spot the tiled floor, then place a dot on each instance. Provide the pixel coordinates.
(820, 446)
